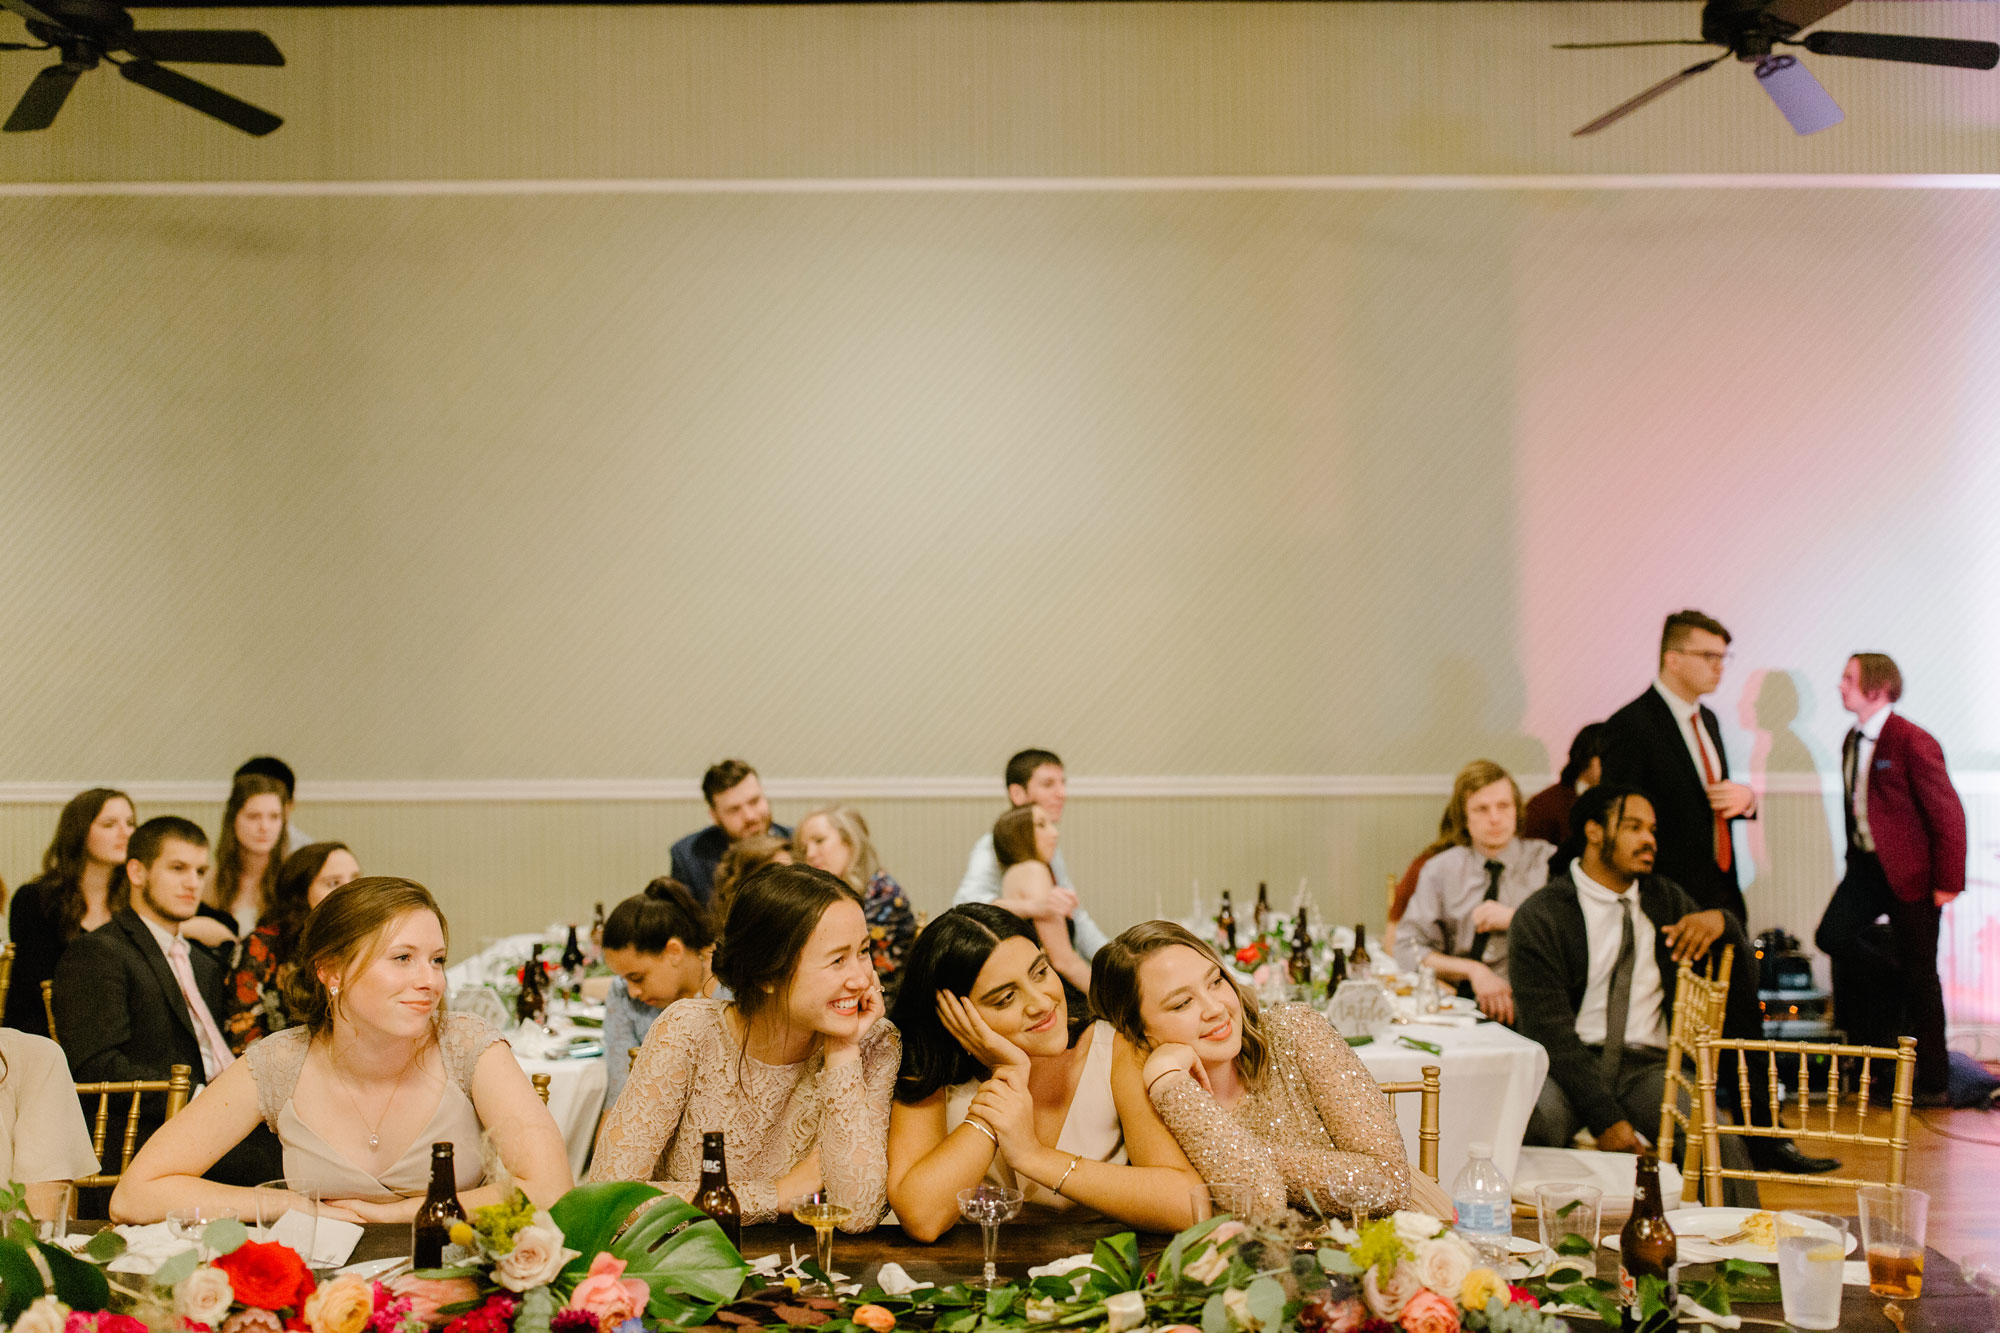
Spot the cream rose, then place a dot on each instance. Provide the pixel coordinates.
(45, 1315)
(204, 1296)
(1125, 1310)
(1236, 1304)
(341, 1306)
(538, 1255)
(1443, 1263)
(1212, 1264)
(1386, 1299)
(1412, 1227)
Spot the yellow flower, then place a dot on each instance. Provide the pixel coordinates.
(461, 1234)
(1480, 1286)
(341, 1306)
(793, 1284)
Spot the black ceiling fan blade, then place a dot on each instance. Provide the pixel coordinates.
(45, 96)
(1658, 90)
(199, 46)
(1913, 50)
(1796, 14)
(193, 93)
(30, 11)
(1608, 46)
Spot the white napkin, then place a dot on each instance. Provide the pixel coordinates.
(332, 1239)
(1061, 1266)
(147, 1247)
(1447, 1020)
(776, 1266)
(894, 1281)
(1854, 1273)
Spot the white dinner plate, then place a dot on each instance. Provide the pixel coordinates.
(1696, 1228)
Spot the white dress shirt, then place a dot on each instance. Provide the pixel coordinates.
(1864, 758)
(215, 1056)
(981, 884)
(1645, 1017)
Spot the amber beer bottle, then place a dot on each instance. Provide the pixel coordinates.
(1646, 1248)
(430, 1230)
(1336, 972)
(1358, 961)
(715, 1197)
(1261, 913)
(1301, 964)
(1225, 921)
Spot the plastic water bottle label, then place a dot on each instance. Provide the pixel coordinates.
(1480, 1215)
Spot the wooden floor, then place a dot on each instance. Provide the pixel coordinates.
(1954, 1157)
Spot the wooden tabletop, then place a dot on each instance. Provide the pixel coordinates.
(1948, 1304)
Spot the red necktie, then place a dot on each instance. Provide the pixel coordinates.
(1723, 847)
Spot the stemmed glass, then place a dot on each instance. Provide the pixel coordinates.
(989, 1205)
(189, 1223)
(822, 1216)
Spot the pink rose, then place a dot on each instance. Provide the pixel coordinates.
(427, 1294)
(1429, 1312)
(1225, 1232)
(603, 1293)
(1346, 1316)
(253, 1320)
(1386, 1299)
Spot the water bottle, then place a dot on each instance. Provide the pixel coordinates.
(1485, 1205)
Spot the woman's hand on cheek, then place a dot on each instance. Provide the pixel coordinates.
(970, 1029)
(1172, 1058)
(1008, 1109)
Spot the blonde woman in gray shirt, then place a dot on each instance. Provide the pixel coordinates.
(1456, 923)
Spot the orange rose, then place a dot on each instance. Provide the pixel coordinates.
(1428, 1312)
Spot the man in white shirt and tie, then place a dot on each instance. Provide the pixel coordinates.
(131, 1000)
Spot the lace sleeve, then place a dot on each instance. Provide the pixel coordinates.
(854, 1127)
(1217, 1144)
(463, 1039)
(275, 1063)
(1367, 1169)
(648, 1113)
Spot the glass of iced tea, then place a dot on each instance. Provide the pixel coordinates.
(1892, 1232)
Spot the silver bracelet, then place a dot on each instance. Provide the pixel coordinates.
(1074, 1159)
(985, 1129)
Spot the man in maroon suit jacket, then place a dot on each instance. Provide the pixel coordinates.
(1905, 860)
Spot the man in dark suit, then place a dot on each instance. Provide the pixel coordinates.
(131, 999)
(1664, 743)
(736, 800)
(1905, 861)
(1594, 960)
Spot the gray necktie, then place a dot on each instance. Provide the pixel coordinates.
(1620, 998)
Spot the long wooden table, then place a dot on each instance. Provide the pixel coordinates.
(1948, 1304)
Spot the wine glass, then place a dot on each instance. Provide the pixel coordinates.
(822, 1216)
(989, 1205)
(188, 1224)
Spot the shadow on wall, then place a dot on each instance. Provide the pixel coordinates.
(1790, 842)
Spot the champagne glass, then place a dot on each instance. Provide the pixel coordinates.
(188, 1224)
(989, 1205)
(822, 1216)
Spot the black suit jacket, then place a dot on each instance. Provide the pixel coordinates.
(1644, 748)
(695, 858)
(120, 1016)
(38, 943)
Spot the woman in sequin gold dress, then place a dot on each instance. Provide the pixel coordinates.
(995, 1088)
(796, 1070)
(1275, 1100)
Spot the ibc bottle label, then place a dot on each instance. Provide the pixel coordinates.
(711, 1165)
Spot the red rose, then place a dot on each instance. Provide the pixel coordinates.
(1519, 1296)
(267, 1275)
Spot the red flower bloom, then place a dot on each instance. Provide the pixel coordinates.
(1252, 954)
(1519, 1296)
(267, 1275)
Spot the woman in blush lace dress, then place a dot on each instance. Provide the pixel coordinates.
(795, 1070)
(1277, 1100)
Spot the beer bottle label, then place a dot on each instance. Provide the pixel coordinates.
(711, 1166)
(1628, 1288)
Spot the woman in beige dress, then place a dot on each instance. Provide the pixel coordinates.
(795, 1070)
(995, 1088)
(1276, 1100)
(43, 1140)
(374, 1074)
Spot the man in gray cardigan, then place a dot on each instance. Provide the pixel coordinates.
(1594, 955)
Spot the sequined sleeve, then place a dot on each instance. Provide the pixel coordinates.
(1217, 1144)
(854, 1127)
(636, 1134)
(1367, 1169)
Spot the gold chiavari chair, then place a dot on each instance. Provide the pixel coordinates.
(1699, 1004)
(1897, 1140)
(177, 1085)
(1427, 1116)
(541, 1082)
(49, 1007)
(6, 970)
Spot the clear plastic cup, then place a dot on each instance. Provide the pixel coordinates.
(1812, 1252)
(1892, 1231)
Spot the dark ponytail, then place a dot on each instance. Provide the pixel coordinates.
(662, 912)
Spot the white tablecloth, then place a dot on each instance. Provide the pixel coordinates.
(576, 1099)
(1490, 1077)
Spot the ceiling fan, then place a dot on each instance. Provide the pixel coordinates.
(86, 32)
(1751, 29)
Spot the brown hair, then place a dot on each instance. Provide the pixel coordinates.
(1879, 672)
(63, 862)
(289, 905)
(229, 852)
(1114, 989)
(1014, 837)
(341, 935)
(1452, 831)
(850, 828)
(742, 860)
(765, 926)
(721, 777)
(1680, 625)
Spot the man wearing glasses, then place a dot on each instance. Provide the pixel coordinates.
(1668, 746)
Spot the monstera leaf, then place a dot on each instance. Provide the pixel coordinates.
(674, 1248)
